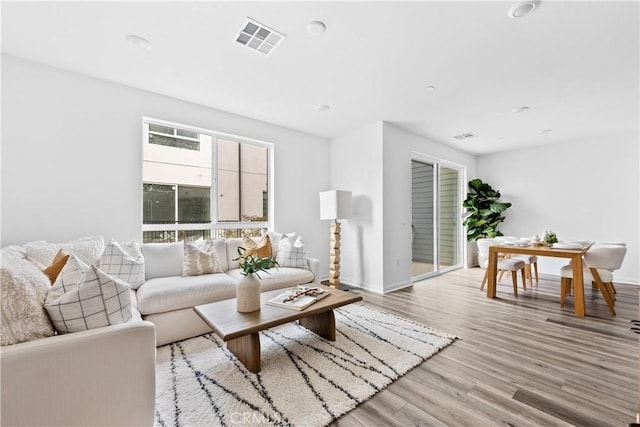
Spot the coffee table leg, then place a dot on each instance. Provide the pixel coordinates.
(323, 324)
(247, 350)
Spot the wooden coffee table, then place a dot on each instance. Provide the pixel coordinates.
(240, 330)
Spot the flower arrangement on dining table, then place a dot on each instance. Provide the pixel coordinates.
(549, 237)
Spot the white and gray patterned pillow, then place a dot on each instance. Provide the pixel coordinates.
(275, 240)
(69, 277)
(200, 257)
(96, 300)
(291, 253)
(124, 261)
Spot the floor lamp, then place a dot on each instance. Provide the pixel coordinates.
(335, 205)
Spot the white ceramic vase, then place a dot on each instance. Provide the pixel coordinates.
(248, 294)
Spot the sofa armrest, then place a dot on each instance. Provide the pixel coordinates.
(314, 267)
(103, 376)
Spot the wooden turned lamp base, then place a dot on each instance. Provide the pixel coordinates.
(334, 256)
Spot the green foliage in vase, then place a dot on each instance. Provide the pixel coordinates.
(550, 237)
(252, 265)
(484, 210)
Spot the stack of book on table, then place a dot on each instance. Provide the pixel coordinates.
(298, 298)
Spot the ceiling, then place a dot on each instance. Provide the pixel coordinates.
(574, 64)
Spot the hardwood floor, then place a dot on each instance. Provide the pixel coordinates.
(521, 361)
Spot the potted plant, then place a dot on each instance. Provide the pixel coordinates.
(484, 211)
(248, 289)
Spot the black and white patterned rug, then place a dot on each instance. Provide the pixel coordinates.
(305, 380)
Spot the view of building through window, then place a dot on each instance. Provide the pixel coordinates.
(180, 170)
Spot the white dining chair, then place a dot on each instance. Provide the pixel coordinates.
(529, 260)
(593, 283)
(610, 243)
(600, 261)
(504, 264)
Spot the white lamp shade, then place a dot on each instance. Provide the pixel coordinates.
(335, 204)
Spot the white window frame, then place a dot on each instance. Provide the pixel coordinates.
(214, 224)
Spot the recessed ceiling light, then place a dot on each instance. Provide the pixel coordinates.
(430, 88)
(543, 131)
(464, 136)
(520, 109)
(323, 107)
(316, 27)
(137, 41)
(522, 8)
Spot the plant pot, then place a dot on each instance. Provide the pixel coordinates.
(248, 294)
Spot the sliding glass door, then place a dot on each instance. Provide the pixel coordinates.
(435, 208)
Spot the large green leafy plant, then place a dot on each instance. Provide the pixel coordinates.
(484, 211)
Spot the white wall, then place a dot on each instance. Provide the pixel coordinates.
(398, 147)
(356, 166)
(582, 190)
(374, 162)
(72, 158)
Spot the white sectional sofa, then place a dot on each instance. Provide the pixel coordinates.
(106, 376)
(167, 298)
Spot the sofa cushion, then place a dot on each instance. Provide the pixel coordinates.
(221, 250)
(135, 313)
(96, 300)
(162, 259)
(23, 288)
(124, 261)
(172, 293)
(87, 249)
(278, 278)
(200, 257)
(232, 252)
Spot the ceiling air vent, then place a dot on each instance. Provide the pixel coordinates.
(463, 136)
(259, 37)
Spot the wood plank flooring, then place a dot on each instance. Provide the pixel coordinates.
(521, 361)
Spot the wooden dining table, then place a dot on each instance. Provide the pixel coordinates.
(574, 254)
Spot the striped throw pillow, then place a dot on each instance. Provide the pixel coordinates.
(200, 257)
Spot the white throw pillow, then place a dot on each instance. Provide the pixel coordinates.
(291, 253)
(87, 249)
(200, 257)
(275, 240)
(96, 300)
(124, 261)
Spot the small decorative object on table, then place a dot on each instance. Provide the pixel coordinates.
(298, 298)
(550, 237)
(248, 289)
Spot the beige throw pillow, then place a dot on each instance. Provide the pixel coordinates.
(59, 261)
(23, 289)
(261, 250)
(200, 257)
